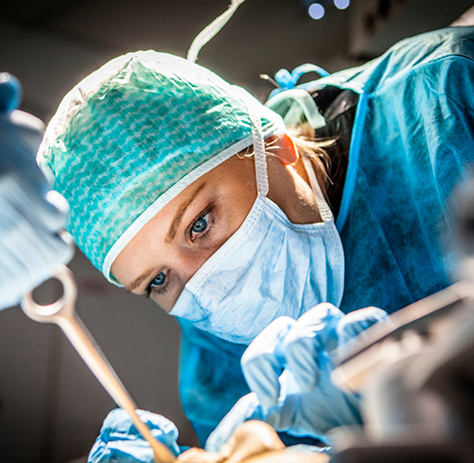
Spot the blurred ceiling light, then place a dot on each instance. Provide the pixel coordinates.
(342, 4)
(316, 11)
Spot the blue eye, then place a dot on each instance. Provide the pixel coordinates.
(200, 225)
(159, 285)
(159, 280)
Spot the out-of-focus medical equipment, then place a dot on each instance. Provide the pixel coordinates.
(63, 314)
(417, 374)
(417, 380)
(31, 215)
(288, 368)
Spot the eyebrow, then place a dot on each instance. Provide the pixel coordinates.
(138, 281)
(175, 223)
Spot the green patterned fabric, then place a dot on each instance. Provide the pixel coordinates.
(134, 134)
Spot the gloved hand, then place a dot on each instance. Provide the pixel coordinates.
(31, 215)
(120, 441)
(288, 368)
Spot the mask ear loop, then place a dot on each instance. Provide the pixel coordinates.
(324, 209)
(261, 167)
(259, 152)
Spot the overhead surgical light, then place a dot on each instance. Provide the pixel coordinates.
(316, 11)
(341, 4)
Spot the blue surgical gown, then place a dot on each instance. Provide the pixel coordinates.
(412, 142)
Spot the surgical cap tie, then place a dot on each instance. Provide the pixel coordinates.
(211, 30)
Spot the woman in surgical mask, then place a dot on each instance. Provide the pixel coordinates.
(187, 190)
(188, 165)
(224, 240)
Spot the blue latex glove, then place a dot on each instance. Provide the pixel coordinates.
(31, 215)
(288, 368)
(119, 440)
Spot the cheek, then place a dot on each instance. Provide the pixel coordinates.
(168, 300)
(238, 203)
(236, 215)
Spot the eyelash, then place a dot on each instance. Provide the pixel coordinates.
(159, 291)
(205, 234)
(202, 236)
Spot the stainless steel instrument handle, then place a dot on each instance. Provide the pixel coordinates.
(63, 314)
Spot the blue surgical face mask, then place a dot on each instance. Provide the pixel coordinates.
(270, 267)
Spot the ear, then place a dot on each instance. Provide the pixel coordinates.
(286, 152)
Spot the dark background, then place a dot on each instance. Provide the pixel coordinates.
(51, 407)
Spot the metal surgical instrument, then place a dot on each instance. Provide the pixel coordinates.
(62, 313)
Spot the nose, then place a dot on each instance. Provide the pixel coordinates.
(190, 263)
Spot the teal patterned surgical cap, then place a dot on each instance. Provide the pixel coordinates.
(133, 135)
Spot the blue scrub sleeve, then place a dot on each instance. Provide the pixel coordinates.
(210, 378)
